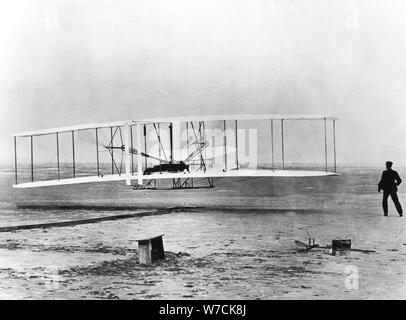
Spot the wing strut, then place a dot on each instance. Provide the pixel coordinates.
(145, 145)
(187, 137)
(325, 143)
(139, 160)
(225, 145)
(283, 148)
(112, 150)
(132, 147)
(272, 147)
(57, 155)
(158, 133)
(199, 148)
(97, 152)
(334, 145)
(127, 153)
(73, 153)
(15, 159)
(171, 141)
(236, 143)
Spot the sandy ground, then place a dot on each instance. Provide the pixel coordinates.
(240, 246)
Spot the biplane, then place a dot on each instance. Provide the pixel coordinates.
(177, 149)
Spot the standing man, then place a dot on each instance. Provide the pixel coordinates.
(389, 184)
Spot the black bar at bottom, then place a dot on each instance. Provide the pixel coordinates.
(97, 153)
(283, 147)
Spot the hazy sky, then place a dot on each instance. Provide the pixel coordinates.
(73, 62)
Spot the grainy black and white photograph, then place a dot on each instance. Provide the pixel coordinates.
(202, 150)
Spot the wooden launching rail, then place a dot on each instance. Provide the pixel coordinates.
(71, 223)
(75, 222)
(150, 248)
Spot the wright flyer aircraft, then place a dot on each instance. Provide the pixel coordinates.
(178, 152)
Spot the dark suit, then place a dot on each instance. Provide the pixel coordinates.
(389, 184)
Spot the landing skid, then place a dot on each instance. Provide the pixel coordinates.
(179, 183)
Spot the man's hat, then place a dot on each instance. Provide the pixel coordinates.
(389, 163)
